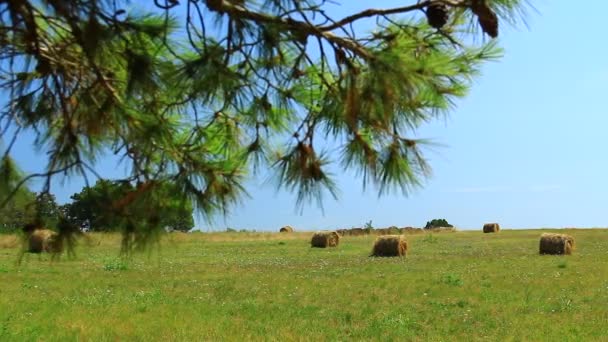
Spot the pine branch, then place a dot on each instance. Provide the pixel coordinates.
(384, 12)
(302, 27)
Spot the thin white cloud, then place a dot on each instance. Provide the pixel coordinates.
(505, 188)
(478, 189)
(545, 188)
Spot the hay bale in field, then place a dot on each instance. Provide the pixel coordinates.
(556, 244)
(390, 245)
(44, 240)
(325, 239)
(54, 244)
(491, 228)
(36, 240)
(286, 229)
(9, 241)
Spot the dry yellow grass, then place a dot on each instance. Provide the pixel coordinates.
(410, 230)
(237, 236)
(9, 241)
(393, 230)
(357, 232)
(442, 230)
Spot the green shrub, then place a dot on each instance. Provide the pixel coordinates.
(430, 239)
(116, 265)
(452, 279)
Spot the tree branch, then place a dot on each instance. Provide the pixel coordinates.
(240, 12)
(383, 12)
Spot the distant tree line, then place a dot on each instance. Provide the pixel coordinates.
(437, 223)
(106, 206)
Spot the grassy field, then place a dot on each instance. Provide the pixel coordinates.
(248, 286)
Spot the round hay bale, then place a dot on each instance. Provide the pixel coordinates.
(286, 229)
(53, 244)
(560, 244)
(389, 246)
(42, 240)
(491, 228)
(325, 239)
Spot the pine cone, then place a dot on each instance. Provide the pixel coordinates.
(486, 17)
(437, 14)
(215, 5)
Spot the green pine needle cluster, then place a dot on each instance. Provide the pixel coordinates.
(203, 99)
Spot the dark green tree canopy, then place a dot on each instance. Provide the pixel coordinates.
(437, 223)
(200, 93)
(101, 209)
(47, 209)
(18, 211)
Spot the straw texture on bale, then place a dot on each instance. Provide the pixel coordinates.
(44, 240)
(54, 244)
(491, 228)
(556, 244)
(390, 245)
(9, 241)
(325, 239)
(286, 229)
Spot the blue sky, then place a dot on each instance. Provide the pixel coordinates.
(526, 148)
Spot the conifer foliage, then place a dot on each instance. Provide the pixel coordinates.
(200, 93)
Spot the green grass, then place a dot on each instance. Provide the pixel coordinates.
(243, 286)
